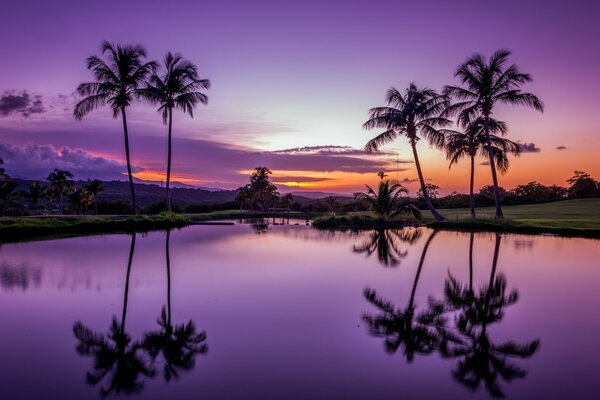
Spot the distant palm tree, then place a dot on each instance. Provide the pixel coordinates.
(118, 81)
(287, 200)
(473, 142)
(331, 202)
(415, 113)
(386, 244)
(94, 188)
(487, 83)
(387, 202)
(61, 183)
(115, 354)
(178, 344)
(35, 191)
(417, 333)
(80, 199)
(7, 190)
(178, 87)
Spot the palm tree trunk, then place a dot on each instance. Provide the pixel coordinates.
(95, 206)
(61, 203)
(471, 194)
(168, 254)
(436, 215)
(493, 167)
(493, 272)
(131, 187)
(169, 161)
(421, 261)
(124, 314)
(472, 239)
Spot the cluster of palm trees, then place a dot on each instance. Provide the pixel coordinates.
(425, 331)
(421, 112)
(124, 76)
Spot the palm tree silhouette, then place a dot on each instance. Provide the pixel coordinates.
(35, 190)
(94, 187)
(178, 344)
(417, 333)
(179, 87)
(118, 81)
(415, 113)
(117, 359)
(473, 142)
(480, 360)
(61, 182)
(487, 83)
(387, 202)
(385, 242)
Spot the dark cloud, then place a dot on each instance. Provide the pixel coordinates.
(561, 147)
(22, 103)
(36, 161)
(332, 150)
(299, 179)
(529, 148)
(408, 180)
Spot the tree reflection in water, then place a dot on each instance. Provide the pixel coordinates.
(118, 360)
(178, 344)
(386, 244)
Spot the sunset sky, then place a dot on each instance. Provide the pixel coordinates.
(291, 86)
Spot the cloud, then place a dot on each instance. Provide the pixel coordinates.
(561, 147)
(484, 163)
(408, 180)
(529, 148)
(22, 103)
(299, 179)
(333, 151)
(37, 160)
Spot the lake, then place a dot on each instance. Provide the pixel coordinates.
(283, 311)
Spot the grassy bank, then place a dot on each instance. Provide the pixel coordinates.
(45, 227)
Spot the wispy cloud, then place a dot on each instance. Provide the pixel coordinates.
(20, 103)
(529, 147)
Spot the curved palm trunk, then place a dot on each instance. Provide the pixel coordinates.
(493, 167)
(169, 161)
(125, 297)
(168, 256)
(436, 215)
(421, 261)
(128, 160)
(471, 193)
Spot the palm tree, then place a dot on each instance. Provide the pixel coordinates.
(118, 81)
(415, 113)
(473, 142)
(481, 360)
(178, 344)
(35, 190)
(116, 355)
(387, 202)
(417, 333)
(80, 199)
(385, 242)
(61, 182)
(7, 190)
(178, 87)
(94, 188)
(485, 84)
(331, 202)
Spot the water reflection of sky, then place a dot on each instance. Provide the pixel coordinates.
(282, 310)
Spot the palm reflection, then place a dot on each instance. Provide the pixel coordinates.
(386, 244)
(178, 344)
(118, 361)
(415, 332)
(481, 361)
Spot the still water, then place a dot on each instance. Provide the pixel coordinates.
(257, 311)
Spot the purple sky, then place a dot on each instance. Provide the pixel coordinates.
(289, 75)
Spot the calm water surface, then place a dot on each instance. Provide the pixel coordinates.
(287, 312)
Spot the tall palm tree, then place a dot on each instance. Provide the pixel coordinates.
(61, 183)
(94, 188)
(487, 83)
(387, 202)
(178, 344)
(417, 333)
(473, 142)
(35, 190)
(480, 359)
(414, 114)
(116, 355)
(178, 87)
(118, 80)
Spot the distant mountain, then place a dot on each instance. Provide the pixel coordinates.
(316, 195)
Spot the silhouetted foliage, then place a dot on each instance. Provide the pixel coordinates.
(260, 193)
